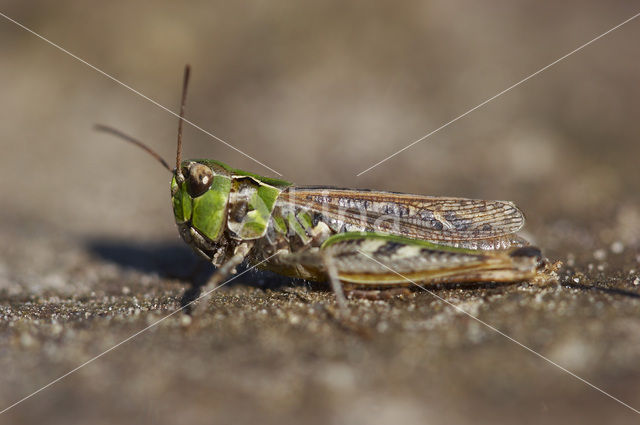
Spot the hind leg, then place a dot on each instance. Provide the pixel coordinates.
(376, 294)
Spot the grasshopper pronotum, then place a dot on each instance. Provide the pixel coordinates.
(356, 239)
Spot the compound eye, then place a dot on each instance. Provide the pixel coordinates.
(199, 179)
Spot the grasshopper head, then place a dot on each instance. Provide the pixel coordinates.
(200, 197)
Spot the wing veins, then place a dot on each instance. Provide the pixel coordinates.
(471, 219)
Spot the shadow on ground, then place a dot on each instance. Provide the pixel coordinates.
(174, 260)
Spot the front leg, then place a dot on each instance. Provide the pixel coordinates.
(227, 268)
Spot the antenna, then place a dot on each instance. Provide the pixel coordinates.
(120, 134)
(185, 83)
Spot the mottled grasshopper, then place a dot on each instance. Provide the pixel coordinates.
(366, 243)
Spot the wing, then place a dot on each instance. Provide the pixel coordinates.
(430, 218)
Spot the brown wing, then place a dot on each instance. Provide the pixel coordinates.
(414, 216)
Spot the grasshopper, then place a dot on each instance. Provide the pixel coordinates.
(367, 243)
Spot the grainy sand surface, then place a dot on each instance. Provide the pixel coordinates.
(89, 254)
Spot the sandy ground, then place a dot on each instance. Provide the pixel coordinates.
(89, 254)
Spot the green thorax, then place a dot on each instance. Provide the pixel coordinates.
(215, 197)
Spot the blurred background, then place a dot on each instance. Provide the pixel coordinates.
(320, 91)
